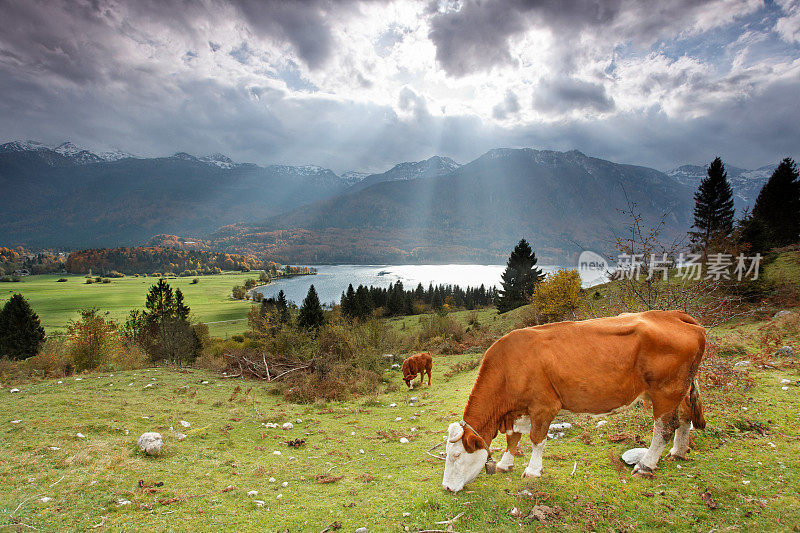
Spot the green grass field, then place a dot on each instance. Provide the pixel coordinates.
(57, 303)
(753, 477)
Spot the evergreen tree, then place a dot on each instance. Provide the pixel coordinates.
(775, 220)
(21, 333)
(519, 278)
(364, 305)
(166, 332)
(713, 205)
(311, 316)
(283, 308)
(349, 302)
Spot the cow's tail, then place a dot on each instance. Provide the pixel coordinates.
(696, 406)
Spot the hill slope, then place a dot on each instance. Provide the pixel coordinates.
(69, 197)
(560, 201)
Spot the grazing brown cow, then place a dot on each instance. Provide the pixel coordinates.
(417, 364)
(593, 366)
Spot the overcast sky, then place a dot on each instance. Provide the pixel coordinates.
(364, 85)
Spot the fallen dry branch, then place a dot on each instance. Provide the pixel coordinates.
(433, 455)
(249, 364)
(327, 478)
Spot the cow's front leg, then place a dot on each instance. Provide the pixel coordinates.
(534, 468)
(507, 461)
(663, 429)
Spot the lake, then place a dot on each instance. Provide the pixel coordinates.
(331, 280)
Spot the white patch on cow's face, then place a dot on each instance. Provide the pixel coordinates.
(460, 467)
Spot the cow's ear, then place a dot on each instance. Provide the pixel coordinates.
(471, 441)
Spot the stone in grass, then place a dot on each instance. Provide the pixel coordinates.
(779, 314)
(634, 455)
(185, 424)
(150, 443)
(361, 530)
(403, 440)
(786, 351)
(288, 425)
(14, 390)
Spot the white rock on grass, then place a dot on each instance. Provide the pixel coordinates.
(14, 390)
(54, 448)
(259, 503)
(360, 451)
(287, 425)
(361, 530)
(403, 440)
(252, 493)
(398, 419)
(150, 443)
(601, 423)
(280, 496)
(123, 501)
(45, 499)
(742, 363)
(185, 424)
(269, 425)
(785, 381)
(80, 435)
(276, 452)
(560, 425)
(285, 484)
(179, 436)
(633, 455)
(298, 421)
(392, 405)
(16, 421)
(781, 313)
(272, 480)
(406, 514)
(784, 388)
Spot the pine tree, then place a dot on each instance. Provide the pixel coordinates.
(349, 302)
(311, 316)
(519, 278)
(776, 215)
(21, 333)
(713, 205)
(283, 308)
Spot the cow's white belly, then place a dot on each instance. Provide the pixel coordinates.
(523, 424)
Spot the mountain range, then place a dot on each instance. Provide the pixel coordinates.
(746, 184)
(427, 211)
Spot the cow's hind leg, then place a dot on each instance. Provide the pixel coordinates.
(663, 429)
(680, 446)
(507, 461)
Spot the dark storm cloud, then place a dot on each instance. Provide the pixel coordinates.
(509, 106)
(565, 94)
(476, 37)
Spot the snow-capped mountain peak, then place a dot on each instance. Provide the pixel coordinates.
(23, 146)
(219, 160)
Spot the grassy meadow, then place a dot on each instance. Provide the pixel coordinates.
(747, 460)
(57, 303)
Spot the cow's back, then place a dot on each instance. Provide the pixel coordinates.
(611, 358)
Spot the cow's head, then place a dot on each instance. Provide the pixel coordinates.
(466, 456)
(409, 381)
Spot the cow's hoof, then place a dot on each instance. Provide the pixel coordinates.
(528, 473)
(505, 469)
(678, 457)
(642, 471)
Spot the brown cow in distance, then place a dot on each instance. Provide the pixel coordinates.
(593, 366)
(421, 364)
